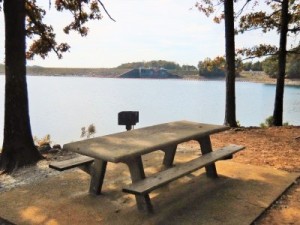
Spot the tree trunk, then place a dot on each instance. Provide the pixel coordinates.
(18, 146)
(230, 117)
(278, 107)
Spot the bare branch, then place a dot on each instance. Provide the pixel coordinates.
(242, 9)
(294, 30)
(106, 10)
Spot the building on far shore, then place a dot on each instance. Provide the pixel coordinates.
(141, 72)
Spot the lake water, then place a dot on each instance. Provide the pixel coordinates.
(61, 106)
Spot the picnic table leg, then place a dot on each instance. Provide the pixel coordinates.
(137, 173)
(206, 147)
(97, 173)
(169, 156)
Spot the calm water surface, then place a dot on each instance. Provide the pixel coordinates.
(60, 106)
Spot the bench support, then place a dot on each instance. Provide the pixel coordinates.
(141, 186)
(97, 172)
(206, 147)
(137, 173)
(169, 156)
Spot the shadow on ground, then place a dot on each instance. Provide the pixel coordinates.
(238, 197)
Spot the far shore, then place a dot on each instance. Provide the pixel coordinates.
(255, 77)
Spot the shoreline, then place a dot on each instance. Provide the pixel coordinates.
(263, 79)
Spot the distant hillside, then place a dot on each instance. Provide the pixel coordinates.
(96, 72)
(169, 66)
(185, 72)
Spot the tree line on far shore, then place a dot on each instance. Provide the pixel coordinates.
(209, 68)
(215, 68)
(212, 68)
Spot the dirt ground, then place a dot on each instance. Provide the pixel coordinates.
(277, 147)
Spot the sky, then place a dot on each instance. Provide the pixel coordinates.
(144, 30)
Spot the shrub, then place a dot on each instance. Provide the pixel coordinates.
(88, 131)
(43, 141)
(269, 122)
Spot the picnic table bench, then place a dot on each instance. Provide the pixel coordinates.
(128, 147)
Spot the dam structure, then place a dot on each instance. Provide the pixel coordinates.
(149, 73)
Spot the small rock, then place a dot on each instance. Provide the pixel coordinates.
(57, 146)
(238, 129)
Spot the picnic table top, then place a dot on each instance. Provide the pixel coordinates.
(121, 146)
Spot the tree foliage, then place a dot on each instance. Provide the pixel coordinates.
(188, 68)
(212, 68)
(250, 66)
(154, 63)
(270, 65)
(216, 68)
(266, 22)
(43, 35)
(293, 66)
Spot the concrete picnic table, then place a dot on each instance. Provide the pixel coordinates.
(129, 146)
